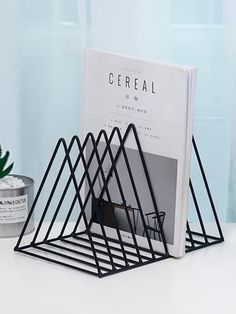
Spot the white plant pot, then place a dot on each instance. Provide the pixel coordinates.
(15, 203)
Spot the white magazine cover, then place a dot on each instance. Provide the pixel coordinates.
(158, 98)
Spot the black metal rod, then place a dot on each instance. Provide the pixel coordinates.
(198, 211)
(78, 236)
(134, 189)
(101, 133)
(67, 185)
(114, 248)
(196, 242)
(207, 188)
(78, 260)
(204, 245)
(190, 234)
(121, 192)
(132, 246)
(82, 208)
(101, 275)
(132, 127)
(39, 192)
(161, 258)
(50, 196)
(119, 186)
(150, 189)
(108, 197)
(48, 259)
(61, 247)
(208, 236)
(82, 181)
(94, 200)
(101, 252)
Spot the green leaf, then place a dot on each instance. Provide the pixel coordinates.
(3, 161)
(6, 171)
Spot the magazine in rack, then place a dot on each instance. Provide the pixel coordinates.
(158, 98)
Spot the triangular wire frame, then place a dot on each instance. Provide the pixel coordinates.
(203, 237)
(87, 251)
(95, 252)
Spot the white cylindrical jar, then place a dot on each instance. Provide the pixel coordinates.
(15, 203)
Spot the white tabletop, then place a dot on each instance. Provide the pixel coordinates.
(202, 282)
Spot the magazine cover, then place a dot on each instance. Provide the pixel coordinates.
(158, 98)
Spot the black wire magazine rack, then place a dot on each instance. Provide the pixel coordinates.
(84, 239)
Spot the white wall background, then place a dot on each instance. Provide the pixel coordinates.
(41, 66)
(40, 75)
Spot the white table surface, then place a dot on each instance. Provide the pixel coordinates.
(202, 282)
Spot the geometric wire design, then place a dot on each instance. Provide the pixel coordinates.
(88, 251)
(83, 248)
(202, 238)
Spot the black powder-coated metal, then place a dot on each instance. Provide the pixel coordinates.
(96, 253)
(202, 239)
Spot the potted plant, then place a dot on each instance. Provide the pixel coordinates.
(16, 197)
